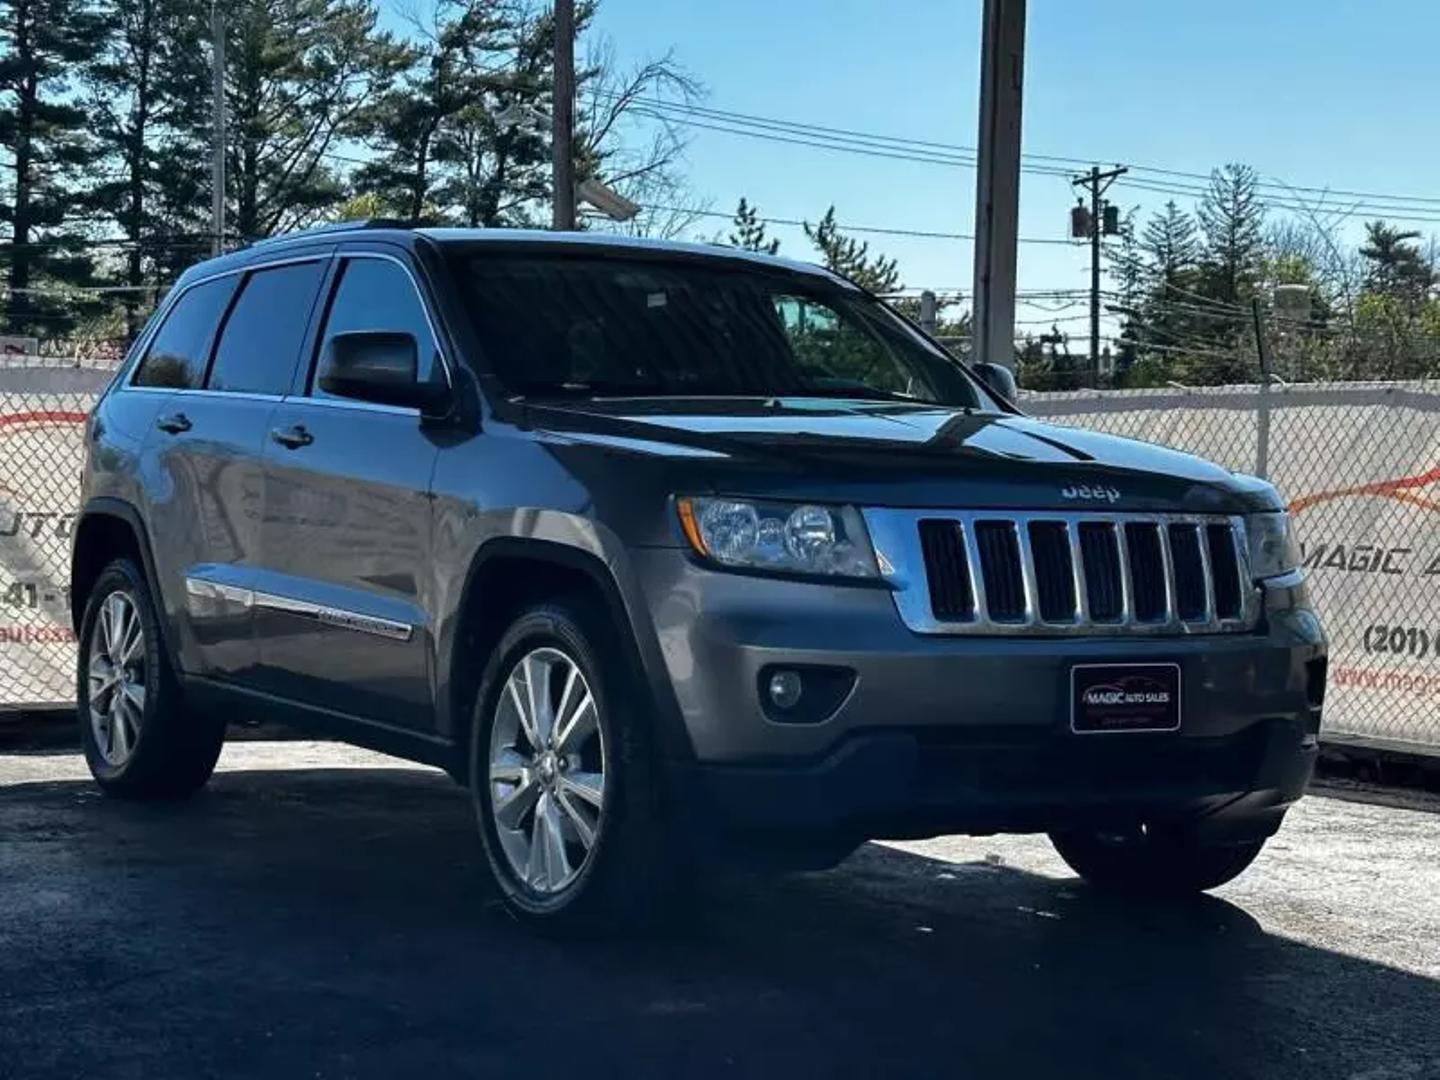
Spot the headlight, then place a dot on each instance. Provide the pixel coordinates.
(792, 538)
(1273, 550)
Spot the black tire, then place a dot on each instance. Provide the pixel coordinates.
(632, 877)
(1146, 862)
(173, 752)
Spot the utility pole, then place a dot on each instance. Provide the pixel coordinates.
(217, 124)
(997, 184)
(1101, 224)
(562, 117)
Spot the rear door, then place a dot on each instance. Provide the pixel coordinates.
(343, 621)
(207, 448)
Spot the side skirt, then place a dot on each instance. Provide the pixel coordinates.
(243, 704)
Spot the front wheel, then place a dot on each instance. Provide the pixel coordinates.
(1144, 861)
(563, 777)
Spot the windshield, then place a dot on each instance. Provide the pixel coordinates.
(585, 326)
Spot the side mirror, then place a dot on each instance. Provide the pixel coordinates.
(998, 379)
(378, 366)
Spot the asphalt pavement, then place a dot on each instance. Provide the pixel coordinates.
(323, 912)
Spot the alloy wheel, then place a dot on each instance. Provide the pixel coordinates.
(547, 770)
(117, 679)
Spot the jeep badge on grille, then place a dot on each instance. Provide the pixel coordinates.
(1095, 494)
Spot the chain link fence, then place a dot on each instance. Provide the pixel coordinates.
(1359, 462)
(43, 404)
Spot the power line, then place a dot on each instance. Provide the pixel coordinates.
(1421, 207)
(925, 234)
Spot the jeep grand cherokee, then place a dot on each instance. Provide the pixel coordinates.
(670, 552)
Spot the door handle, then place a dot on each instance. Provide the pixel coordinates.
(175, 423)
(292, 438)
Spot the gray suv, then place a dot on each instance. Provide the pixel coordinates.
(674, 554)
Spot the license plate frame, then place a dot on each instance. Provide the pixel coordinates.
(1125, 698)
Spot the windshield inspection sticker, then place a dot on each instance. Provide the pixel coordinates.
(1124, 697)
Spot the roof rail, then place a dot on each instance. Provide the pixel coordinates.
(336, 227)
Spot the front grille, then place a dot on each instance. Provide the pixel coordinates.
(1003, 573)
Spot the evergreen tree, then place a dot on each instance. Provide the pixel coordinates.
(496, 147)
(43, 130)
(446, 77)
(1232, 225)
(1169, 253)
(1169, 245)
(149, 111)
(1395, 266)
(750, 231)
(852, 258)
(1128, 273)
(299, 76)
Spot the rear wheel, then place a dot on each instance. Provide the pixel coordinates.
(1144, 861)
(139, 739)
(563, 777)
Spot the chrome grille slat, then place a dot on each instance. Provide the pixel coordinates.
(1127, 587)
(1167, 564)
(897, 538)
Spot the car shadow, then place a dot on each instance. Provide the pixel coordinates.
(339, 922)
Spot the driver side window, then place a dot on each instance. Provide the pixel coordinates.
(376, 294)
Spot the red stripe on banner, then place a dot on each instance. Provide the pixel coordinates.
(1392, 489)
(44, 416)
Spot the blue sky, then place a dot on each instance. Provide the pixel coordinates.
(1314, 92)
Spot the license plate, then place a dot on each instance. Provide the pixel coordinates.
(1124, 697)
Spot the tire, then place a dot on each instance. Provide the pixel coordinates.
(1146, 862)
(139, 740)
(596, 774)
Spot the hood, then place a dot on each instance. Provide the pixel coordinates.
(897, 454)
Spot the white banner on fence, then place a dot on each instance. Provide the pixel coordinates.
(40, 458)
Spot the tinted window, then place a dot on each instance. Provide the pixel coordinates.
(376, 294)
(266, 328)
(839, 352)
(176, 358)
(580, 326)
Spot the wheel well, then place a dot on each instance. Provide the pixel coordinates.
(498, 590)
(99, 539)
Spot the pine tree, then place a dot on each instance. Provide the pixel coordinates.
(496, 147)
(852, 258)
(1170, 245)
(299, 77)
(1395, 266)
(1128, 273)
(43, 129)
(1232, 225)
(750, 231)
(149, 111)
(1170, 253)
(446, 76)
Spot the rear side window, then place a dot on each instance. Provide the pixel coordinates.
(263, 335)
(376, 294)
(176, 358)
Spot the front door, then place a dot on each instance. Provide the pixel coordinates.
(342, 612)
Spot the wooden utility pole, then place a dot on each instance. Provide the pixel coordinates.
(562, 117)
(997, 186)
(1096, 182)
(217, 132)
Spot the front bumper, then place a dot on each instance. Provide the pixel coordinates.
(971, 734)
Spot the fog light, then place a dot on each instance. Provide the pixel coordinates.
(785, 689)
